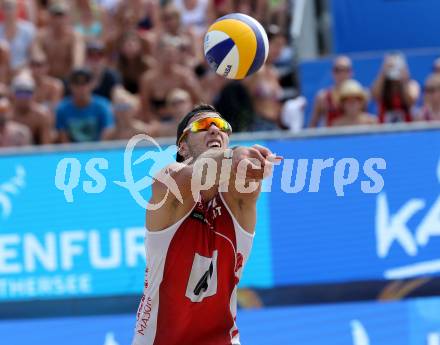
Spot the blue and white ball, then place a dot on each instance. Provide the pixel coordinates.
(236, 46)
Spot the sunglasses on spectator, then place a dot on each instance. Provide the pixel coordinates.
(121, 107)
(431, 89)
(95, 53)
(37, 63)
(352, 98)
(338, 69)
(23, 94)
(204, 124)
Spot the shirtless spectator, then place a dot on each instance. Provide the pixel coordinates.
(29, 113)
(106, 79)
(169, 74)
(89, 19)
(63, 47)
(353, 103)
(325, 105)
(11, 133)
(18, 33)
(191, 50)
(83, 116)
(125, 107)
(131, 61)
(141, 16)
(48, 90)
(431, 105)
(394, 91)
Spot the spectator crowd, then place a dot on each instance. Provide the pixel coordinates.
(89, 70)
(394, 93)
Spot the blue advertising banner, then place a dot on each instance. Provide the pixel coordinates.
(411, 322)
(369, 25)
(391, 232)
(338, 209)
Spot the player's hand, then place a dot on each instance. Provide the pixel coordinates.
(253, 163)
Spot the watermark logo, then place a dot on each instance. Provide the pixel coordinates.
(162, 175)
(294, 177)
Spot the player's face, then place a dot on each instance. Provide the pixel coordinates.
(195, 144)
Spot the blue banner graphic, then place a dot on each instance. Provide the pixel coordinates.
(371, 25)
(339, 209)
(412, 322)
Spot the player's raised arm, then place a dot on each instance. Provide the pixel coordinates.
(210, 167)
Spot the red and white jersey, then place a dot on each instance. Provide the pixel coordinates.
(193, 268)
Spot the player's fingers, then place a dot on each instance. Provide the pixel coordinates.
(255, 153)
(263, 150)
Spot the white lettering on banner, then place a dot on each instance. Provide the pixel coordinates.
(434, 339)
(110, 339)
(70, 249)
(8, 253)
(35, 251)
(359, 333)
(392, 228)
(114, 258)
(65, 250)
(58, 285)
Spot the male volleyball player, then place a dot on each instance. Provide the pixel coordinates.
(196, 250)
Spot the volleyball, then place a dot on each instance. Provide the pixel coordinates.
(236, 45)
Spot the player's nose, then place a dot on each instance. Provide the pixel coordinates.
(213, 130)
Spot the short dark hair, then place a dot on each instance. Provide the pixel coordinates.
(198, 109)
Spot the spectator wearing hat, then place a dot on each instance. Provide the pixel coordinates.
(63, 47)
(83, 116)
(29, 113)
(431, 105)
(18, 33)
(48, 90)
(11, 133)
(105, 78)
(353, 103)
(325, 107)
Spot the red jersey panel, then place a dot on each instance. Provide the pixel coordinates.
(193, 268)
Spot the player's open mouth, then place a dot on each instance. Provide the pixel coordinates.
(214, 143)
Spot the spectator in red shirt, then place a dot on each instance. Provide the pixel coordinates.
(394, 91)
(325, 105)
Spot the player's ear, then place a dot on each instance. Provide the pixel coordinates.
(183, 149)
